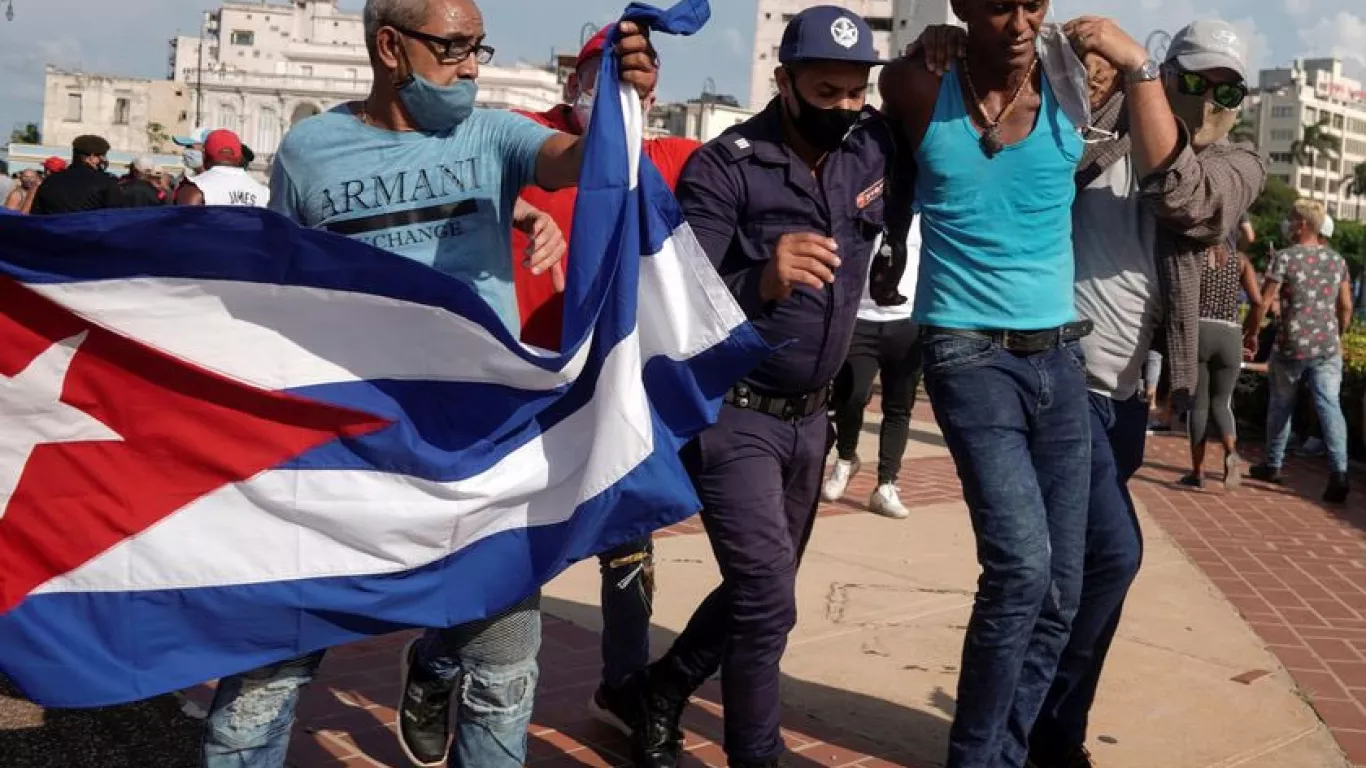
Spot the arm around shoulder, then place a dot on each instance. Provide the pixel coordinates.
(1202, 195)
(909, 93)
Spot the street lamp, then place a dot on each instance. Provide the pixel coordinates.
(9, 10)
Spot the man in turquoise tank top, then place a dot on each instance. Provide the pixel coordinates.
(994, 156)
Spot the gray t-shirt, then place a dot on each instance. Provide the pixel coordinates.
(1114, 237)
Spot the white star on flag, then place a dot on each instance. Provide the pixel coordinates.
(35, 415)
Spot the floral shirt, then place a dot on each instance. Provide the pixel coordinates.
(1310, 278)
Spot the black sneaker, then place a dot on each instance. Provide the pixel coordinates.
(424, 713)
(1338, 486)
(774, 763)
(659, 739)
(1267, 474)
(620, 707)
(1078, 757)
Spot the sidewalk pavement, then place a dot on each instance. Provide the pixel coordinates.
(871, 669)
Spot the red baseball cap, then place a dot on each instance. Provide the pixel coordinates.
(54, 164)
(593, 48)
(223, 146)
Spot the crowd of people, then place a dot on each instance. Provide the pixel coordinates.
(214, 173)
(1035, 209)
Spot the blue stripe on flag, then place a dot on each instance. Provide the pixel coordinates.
(86, 649)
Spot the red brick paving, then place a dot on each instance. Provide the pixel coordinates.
(1293, 566)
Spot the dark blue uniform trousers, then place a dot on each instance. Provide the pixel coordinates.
(759, 480)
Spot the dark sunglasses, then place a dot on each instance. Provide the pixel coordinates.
(1226, 95)
(453, 51)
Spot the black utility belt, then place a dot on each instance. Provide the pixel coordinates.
(791, 407)
(1025, 342)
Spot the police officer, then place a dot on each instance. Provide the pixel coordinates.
(787, 206)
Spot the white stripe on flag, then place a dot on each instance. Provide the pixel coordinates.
(312, 524)
(270, 335)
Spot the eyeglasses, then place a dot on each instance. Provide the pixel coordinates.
(453, 50)
(1226, 95)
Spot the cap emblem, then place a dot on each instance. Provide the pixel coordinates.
(844, 32)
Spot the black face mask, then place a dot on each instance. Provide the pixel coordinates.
(823, 129)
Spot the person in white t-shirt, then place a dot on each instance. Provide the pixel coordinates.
(224, 180)
(886, 344)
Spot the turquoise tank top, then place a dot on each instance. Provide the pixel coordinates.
(996, 233)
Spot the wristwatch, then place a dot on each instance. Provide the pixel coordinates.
(1149, 70)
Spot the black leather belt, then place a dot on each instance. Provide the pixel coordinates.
(790, 408)
(1024, 342)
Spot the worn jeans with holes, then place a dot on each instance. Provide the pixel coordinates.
(628, 589)
(1325, 381)
(1019, 429)
(492, 662)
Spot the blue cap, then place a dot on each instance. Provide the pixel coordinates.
(828, 33)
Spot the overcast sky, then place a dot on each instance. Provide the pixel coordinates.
(128, 37)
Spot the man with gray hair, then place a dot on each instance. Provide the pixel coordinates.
(417, 169)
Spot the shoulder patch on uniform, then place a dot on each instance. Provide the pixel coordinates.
(871, 194)
(738, 147)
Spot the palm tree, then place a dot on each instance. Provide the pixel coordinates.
(1306, 149)
(1356, 185)
(1244, 131)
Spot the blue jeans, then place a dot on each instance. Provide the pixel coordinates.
(1114, 550)
(252, 715)
(628, 588)
(1019, 429)
(1325, 380)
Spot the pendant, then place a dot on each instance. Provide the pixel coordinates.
(991, 141)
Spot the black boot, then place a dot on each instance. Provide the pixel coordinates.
(1338, 486)
(657, 741)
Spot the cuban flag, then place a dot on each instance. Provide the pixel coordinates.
(228, 441)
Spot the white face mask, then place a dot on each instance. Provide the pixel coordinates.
(583, 109)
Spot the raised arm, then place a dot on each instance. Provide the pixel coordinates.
(561, 156)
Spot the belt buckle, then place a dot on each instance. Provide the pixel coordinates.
(792, 405)
(1005, 341)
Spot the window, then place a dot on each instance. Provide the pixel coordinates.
(256, 54)
(73, 107)
(306, 70)
(243, 37)
(879, 23)
(1282, 111)
(1282, 135)
(227, 117)
(267, 130)
(352, 73)
(1282, 178)
(1337, 121)
(1282, 157)
(121, 111)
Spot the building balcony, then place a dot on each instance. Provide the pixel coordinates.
(273, 83)
(325, 53)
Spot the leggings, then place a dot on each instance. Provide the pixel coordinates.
(1221, 360)
(891, 351)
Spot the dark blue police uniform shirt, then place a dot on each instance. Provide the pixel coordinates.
(743, 190)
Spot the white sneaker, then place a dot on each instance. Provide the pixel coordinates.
(887, 503)
(833, 490)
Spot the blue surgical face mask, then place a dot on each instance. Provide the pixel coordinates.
(193, 159)
(438, 108)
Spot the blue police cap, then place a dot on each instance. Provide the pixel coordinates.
(828, 33)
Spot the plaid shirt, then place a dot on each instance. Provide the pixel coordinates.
(1197, 200)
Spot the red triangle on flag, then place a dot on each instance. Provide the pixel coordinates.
(185, 431)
